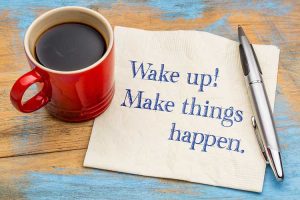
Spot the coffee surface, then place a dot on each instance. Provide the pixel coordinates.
(70, 46)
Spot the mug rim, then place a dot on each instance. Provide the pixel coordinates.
(74, 8)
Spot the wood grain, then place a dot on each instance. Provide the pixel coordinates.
(38, 132)
(41, 133)
(41, 157)
(59, 175)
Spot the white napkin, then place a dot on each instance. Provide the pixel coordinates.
(216, 144)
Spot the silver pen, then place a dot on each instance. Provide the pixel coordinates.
(262, 120)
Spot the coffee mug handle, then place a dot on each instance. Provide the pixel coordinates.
(22, 84)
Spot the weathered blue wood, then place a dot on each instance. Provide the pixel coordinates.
(25, 11)
(97, 184)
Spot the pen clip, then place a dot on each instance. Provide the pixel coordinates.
(260, 142)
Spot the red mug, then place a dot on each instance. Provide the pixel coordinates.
(72, 96)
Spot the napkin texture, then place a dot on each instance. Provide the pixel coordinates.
(145, 141)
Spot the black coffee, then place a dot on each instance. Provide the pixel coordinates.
(70, 46)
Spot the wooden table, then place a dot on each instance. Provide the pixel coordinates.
(41, 157)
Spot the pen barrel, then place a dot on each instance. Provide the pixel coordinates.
(263, 121)
(263, 115)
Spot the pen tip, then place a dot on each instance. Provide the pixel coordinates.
(240, 31)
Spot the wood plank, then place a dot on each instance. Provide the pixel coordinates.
(22, 134)
(39, 174)
(60, 176)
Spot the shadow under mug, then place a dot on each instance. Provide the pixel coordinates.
(72, 96)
